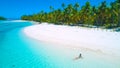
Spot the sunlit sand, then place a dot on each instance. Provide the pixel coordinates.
(99, 40)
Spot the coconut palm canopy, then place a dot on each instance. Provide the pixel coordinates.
(86, 15)
(14, 9)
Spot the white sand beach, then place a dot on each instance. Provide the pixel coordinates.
(100, 40)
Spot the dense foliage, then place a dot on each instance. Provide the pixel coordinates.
(87, 15)
(2, 18)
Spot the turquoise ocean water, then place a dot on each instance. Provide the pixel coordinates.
(19, 51)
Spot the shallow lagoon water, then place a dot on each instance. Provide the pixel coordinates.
(19, 51)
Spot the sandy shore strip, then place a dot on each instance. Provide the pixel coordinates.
(90, 38)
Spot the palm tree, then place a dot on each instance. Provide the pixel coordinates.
(76, 6)
(63, 13)
(51, 8)
(63, 6)
(102, 13)
(118, 7)
(68, 13)
(86, 13)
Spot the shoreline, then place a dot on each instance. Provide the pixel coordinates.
(87, 38)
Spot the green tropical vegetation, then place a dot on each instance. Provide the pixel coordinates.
(2, 18)
(104, 15)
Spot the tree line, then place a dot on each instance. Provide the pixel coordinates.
(2, 18)
(104, 15)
